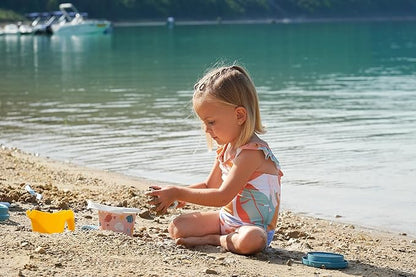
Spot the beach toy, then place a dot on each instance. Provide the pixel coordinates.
(4, 212)
(44, 222)
(90, 227)
(29, 189)
(117, 219)
(325, 260)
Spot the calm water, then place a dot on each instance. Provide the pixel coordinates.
(338, 99)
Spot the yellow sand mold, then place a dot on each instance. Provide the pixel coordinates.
(44, 222)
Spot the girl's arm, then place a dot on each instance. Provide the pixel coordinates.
(216, 193)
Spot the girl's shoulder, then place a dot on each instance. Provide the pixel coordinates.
(256, 143)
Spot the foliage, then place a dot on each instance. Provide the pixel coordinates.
(226, 9)
(7, 15)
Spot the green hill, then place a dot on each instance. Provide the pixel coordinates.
(119, 10)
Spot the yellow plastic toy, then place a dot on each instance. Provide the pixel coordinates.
(44, 222)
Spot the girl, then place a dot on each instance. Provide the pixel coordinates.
(245, 178)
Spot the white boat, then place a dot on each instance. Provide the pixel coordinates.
(17, 29)
(25, 29)
(11, 29)
(73, 23)
(41, 22)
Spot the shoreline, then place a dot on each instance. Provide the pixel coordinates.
(150, 252)
(268, 20)
(299, 20)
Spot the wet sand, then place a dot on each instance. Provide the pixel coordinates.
(150, 251)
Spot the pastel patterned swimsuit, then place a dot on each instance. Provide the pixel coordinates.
(258, 202)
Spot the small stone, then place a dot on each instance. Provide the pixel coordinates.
(289, 262)
(402, 234)
(40, 250)
(211, 271)
(338, 216)
(293, 241)
(146, 215)
(122, 203)
(307, 245)
(63, 205)
(413, 241)
(294, 234)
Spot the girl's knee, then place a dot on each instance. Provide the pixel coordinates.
(173, 229)
(177, 225)
(251, 240)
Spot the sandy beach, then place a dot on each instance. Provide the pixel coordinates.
(150, 252)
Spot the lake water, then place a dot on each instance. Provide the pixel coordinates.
(338, 100)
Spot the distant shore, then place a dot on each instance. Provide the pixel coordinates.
(131, 23)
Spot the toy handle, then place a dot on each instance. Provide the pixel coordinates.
(70, 220)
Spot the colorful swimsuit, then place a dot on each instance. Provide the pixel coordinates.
(258, 202)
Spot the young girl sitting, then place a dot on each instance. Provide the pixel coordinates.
(245, 178)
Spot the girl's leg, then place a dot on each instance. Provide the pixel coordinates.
(204, 228)
(245, 240)
(195, 225)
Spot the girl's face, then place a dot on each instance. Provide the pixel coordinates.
(222, 122)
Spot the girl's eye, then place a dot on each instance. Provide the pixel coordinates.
(210, 122)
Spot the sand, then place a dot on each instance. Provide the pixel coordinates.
(150, 251)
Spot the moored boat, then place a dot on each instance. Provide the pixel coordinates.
(73, 23)
(17, 29)
(42, 21)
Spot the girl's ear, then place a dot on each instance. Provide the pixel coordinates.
(241, 114)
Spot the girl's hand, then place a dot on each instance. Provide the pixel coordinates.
(162, 198)
(181, 204)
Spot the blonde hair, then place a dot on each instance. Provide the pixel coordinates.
(232, 85)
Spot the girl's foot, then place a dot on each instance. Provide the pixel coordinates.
(195, 241)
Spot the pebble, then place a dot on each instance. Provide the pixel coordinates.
(40, 250)
(306, 245)
(146, 215)
(211, 271)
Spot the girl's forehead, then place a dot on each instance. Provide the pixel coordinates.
(209, 102)
(205, 104)
(210, 108)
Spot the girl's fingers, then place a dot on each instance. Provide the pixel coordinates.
(149, 193)
(160, 209)
(154, 201)
(181, 204)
